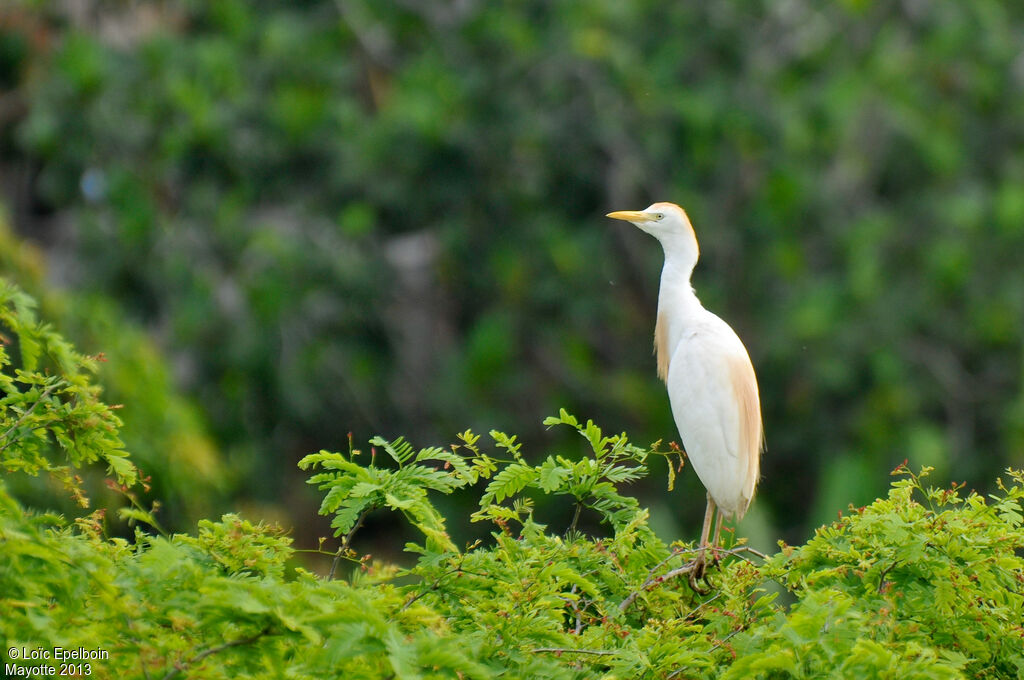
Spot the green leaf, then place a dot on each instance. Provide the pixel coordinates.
(508, 482)
(137, 515)
(400, 450)
(551, 475)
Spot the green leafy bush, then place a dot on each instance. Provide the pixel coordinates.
(165, 432)
(49, 410)
(926, 583)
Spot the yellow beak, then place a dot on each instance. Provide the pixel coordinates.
(630, 216)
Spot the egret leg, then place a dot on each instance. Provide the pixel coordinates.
(699, 564)
(718, 531)
(706, 531)
(717, 543)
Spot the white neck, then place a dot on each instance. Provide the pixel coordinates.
(677, 302)
(676, 289)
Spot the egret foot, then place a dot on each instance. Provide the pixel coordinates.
(699, 571)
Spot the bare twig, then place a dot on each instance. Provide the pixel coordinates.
(575, 518)
(576, 608)
(725, 639)
(881, 577)
(130, 626)
(743, 549)
(437, 582)
(679, 571)
(718, 644)
(434, 586)
(566, 650)
(703, 604)
(215, 650)
(345, 541)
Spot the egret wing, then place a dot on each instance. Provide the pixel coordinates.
(715, 404)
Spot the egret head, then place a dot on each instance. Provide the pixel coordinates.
(668, 223)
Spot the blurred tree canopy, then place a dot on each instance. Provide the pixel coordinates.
(164, 430)
(386, 217)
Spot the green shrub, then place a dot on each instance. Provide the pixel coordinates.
(926, 583)
(165, 432)
(49, 410)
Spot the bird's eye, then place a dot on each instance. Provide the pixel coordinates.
(660, 216)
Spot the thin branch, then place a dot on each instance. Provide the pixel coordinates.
(881, 577)
(575, 518)
(718, 644)
(675, 553)
(566, 650)
(703, 604)
(679, 571)
(215, 650)
(437, 582)
(743, 548)
(651, 578)
(434, 586)
(345, 541)
(725, 639)
(318, 551)
(129, 624)
(26, 414)
(152, 521)
(579, 612)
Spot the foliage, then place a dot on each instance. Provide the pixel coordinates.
(252, 178)
(51, 417)
(900, 588)
(354, 491)
(926, 583)
(165, 432)
(926, 577)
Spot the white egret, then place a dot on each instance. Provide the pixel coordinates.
(710, 378)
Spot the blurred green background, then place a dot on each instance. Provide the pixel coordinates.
(285, 221)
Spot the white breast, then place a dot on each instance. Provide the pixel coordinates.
(713, 392)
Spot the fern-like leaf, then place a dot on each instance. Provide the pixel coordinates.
(551, 475)
(508, 482)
